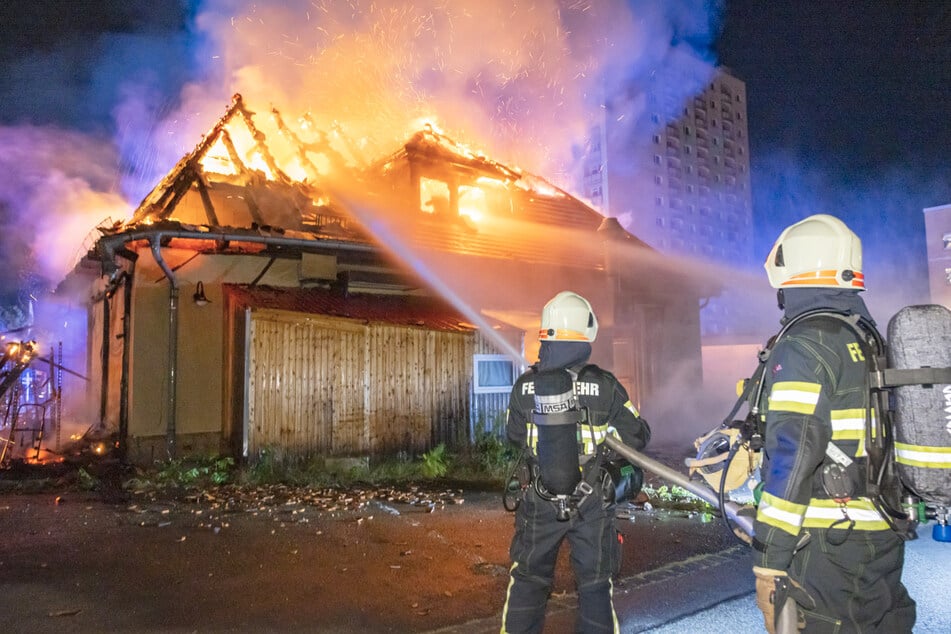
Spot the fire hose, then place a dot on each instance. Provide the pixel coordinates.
(787, 617)
(731, 510)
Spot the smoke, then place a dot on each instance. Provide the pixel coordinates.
(106, 114)
(67, 70)
(520, 81)
(57, 186)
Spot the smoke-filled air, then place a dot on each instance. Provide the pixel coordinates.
(517, 81)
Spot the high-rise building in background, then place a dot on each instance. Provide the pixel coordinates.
(676, 173)
(938, 243)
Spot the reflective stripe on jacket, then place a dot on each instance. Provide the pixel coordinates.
(598, 392)
(815, 398)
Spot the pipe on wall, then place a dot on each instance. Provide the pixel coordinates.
(155, 244)
(124, 378)
(104, 358)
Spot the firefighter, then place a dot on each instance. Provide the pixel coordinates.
(560, 411)
(819, 537)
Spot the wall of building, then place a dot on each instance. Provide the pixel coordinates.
(105, 360)
(333, 386)
(487, 414)
(678, 177)
(938, 244)
(647, 348)
(406, 390)
(197, 366)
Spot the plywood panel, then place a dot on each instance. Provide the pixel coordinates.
(337, 386)
(302, 395)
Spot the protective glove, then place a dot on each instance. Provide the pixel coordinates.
(766, 593)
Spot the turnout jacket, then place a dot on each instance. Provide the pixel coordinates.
(816, 402)
(599, 392)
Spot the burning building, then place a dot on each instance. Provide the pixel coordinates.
(279, 292)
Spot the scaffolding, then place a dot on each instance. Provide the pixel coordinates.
(30, 402)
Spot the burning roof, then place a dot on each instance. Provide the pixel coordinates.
(239, 189)
(239, 186)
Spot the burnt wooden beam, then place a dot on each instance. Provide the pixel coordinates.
(206, 201)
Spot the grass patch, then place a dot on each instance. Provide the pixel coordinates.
(486, 464)
(676, 498)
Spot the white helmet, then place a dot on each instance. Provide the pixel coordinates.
(568, 317)
(818, 252)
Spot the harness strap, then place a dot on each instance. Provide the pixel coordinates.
(568, 417)
(895, 377)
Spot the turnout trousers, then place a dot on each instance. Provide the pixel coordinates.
(856, 584)
(595, 558)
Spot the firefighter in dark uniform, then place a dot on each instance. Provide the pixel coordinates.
(819, 537)
(560, 411)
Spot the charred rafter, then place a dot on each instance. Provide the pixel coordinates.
(160, 202)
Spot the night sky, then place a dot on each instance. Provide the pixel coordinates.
(849, 104)
(861, 86)
(64, 59)
(849, 114)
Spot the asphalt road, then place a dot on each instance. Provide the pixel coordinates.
(284, 560)
(714, 593)
(927, 575)
(647, 601)
(288, 560)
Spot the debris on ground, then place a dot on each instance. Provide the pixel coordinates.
(287, 504)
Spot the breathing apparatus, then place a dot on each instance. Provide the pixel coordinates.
(906, 381)
(556, 416)
(561, 471)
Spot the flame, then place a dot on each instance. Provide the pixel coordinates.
(472, 203)
(471, 200)
(486, 180)
(217, 161)
(296, 172)
(433, 195)
(427, 123)
(42, 456)
(20, 351)
(303, 151)
(259, 163)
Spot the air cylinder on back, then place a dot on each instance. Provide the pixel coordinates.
(918, 337)
(556, 417)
